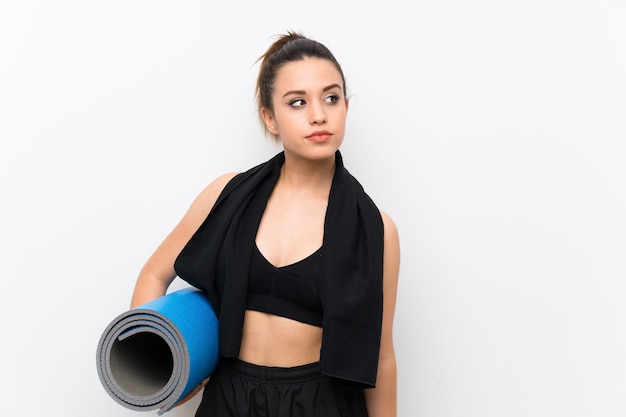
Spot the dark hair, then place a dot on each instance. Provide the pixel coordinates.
(287, 48)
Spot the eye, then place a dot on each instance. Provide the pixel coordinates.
(332, 99)
(297, 102)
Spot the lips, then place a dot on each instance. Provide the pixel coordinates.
(319, 136)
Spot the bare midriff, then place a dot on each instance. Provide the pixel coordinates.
(271, 340)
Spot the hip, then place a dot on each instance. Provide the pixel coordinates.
(241, 389)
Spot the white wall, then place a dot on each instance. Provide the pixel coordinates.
(494, 133)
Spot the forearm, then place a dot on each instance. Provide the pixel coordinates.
(148, 288)
(382, 400)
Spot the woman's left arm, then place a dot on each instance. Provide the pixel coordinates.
(382, 400)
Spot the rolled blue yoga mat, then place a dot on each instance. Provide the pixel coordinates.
(153, 355)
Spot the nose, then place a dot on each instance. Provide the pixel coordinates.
(317, 114)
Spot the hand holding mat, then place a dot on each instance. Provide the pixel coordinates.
(153, 355)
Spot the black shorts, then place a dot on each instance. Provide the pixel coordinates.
(241, 389)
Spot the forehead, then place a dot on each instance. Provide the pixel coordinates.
(308, 74)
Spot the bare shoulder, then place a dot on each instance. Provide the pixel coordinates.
(212, 191)
(392, 248)
(204, 202)
(391, 231)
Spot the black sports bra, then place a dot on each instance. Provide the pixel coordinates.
(289, 291)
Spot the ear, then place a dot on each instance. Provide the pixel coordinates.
(347, 103)
(269, 121)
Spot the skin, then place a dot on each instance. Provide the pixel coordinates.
(308, 97)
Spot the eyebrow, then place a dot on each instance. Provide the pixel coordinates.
(302, 92)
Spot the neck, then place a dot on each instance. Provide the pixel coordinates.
(299, 173)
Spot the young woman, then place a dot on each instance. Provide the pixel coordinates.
(300, 265)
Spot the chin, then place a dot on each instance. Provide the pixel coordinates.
(318, 153)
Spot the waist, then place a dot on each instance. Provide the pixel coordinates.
(272, 374)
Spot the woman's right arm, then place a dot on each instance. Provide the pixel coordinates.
(158, 272)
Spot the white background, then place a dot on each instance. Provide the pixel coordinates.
(494, 133)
